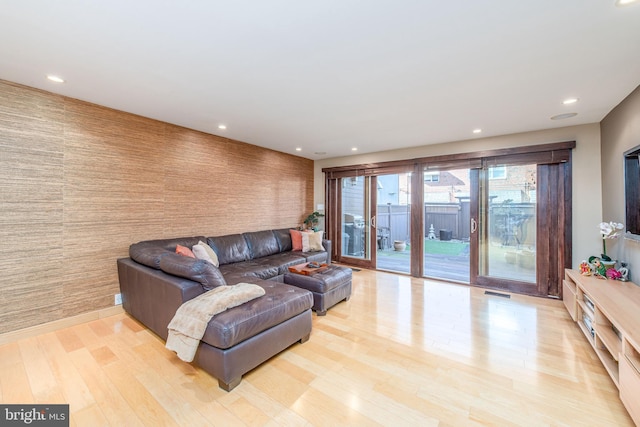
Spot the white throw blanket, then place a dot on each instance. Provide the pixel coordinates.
(191, 319)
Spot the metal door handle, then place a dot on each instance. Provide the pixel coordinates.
(474, 225)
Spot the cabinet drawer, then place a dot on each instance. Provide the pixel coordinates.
(569, 299)
(630, 388)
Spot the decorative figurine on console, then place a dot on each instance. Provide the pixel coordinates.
(613, 274)
(597, 267)
(624, 272)
(585, 268)
(600, 269)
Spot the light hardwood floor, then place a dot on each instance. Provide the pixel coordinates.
(402, 351)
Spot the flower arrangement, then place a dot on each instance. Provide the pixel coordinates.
(609, 230)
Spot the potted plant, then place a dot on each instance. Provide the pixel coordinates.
(311, 222)
(609, 230)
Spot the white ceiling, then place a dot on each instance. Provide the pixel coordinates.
(330, 75)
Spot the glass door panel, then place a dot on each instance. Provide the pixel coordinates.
(393, 222)
(356, 220)
(447, 224)
(508, 221)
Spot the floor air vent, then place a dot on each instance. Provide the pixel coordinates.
(497, 294)
(355, 269)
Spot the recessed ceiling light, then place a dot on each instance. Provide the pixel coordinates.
(624, 2)
(222, 127)
(564, 116)
(320, 153)
(298, 149)
(55, 79)
(570, 101)
(477, 130)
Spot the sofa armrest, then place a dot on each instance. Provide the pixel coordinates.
(327, 247)
(152, 296)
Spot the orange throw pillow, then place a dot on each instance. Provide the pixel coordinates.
(185, 251)
(296, 240)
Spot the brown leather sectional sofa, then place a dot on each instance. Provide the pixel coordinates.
(155, 281)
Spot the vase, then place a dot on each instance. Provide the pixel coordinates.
(608, 264)
(399, 245)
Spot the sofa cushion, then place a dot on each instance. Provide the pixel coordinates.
(280, 302)
(149, 252)
(194, 269)
(284, 260)
(320, 257)
(259, 268)
(284, 239)
(262, 243)
(230, 248)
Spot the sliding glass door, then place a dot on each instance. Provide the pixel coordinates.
(375, 221)
(356, 223)
(508, 239)
(393, 222)
(447, 224)
(524, 226)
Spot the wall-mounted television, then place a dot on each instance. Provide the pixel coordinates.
(632, 191)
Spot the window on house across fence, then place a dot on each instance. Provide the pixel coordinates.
(432, 177)
(497, 172)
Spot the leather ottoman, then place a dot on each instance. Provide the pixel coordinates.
(329, 286)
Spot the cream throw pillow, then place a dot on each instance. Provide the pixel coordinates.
(312, 242)
(204, 252)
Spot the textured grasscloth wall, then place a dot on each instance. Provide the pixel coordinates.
(79, 183)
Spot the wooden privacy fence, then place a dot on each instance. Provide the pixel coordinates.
(449, 217)
(510, 223)
(393, 223)
(393, 220)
